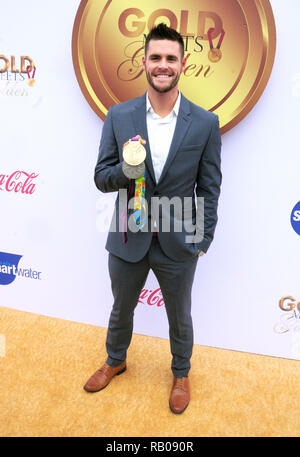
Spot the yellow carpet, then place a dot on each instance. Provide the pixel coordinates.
(45, 362)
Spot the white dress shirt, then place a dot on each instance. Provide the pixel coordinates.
(160, 135)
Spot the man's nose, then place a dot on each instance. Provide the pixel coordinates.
(163, 64)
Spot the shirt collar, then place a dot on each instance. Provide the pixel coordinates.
(175, 108)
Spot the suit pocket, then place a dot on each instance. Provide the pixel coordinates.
(192, 147)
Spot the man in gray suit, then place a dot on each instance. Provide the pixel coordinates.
(183, 146)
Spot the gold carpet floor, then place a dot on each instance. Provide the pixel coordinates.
(45, 362)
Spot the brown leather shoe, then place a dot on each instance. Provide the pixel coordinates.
(103, 376)
(180, 395)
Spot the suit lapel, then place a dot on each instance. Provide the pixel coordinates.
(140, 124)
(182, 126)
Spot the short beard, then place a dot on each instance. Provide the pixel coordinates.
(166, 89)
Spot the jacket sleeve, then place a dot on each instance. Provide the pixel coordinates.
(208, 186)
(109, 176)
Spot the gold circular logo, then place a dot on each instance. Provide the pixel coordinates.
(229, 45)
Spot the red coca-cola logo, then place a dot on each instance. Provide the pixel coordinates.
(18, 181)
(151, 297)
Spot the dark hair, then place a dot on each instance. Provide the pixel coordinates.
(163, 32)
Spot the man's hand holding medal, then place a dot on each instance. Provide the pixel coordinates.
(134, 155)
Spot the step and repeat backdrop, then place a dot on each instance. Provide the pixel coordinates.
(62, 65)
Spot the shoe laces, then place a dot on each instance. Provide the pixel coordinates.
(104, 369)
(179, 383)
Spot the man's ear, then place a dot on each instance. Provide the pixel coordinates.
(144, 62)
(184, 62)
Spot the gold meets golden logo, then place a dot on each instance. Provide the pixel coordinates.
(288, 306)
(7, 64)
(229, 45)
(290, 320)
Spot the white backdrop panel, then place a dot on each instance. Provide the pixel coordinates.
(52, 131)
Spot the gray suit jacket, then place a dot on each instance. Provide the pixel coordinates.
(192, 167)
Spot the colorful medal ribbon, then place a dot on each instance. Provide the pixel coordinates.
(139, 206)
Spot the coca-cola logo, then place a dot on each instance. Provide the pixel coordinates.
(151, 297)
(18, 181)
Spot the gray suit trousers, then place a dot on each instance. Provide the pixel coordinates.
(175, 279)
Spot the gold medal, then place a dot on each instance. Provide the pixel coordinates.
(134, 153)
(133, 172)
(31, 80)
(215, 55)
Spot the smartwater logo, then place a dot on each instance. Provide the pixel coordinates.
(295, 218)
(9, 269)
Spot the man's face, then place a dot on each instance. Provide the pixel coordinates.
(163, 64)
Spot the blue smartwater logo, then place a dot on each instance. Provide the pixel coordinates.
(9, 269)
(295, 218)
